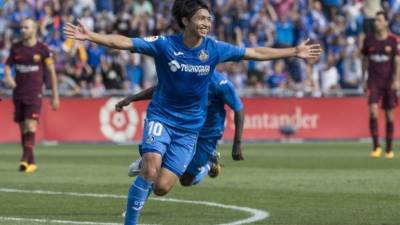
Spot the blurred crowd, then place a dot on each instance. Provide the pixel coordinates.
(86, 69)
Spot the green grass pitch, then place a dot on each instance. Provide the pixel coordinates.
(297, 184)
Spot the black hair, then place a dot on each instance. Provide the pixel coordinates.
(384, 14)
(186, 9)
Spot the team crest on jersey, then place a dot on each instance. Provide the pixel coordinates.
(36, 57)
(203, 56)
(388, 49)
(151, 38)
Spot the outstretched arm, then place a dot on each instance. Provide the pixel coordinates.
(143, 95)
(237, 141)
(303, 50)
(82, 33)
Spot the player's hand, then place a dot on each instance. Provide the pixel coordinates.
(120, 105)
(237, 152)
(13, 85)
(55, 103)
(308, 51)
(396, 85)
(78, 32)
(365, 87)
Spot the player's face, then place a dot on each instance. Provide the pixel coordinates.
(200, 23)
(380, 23)
(28, 29)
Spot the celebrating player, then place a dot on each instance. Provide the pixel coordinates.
(381, 59)
(205, 160)
(177, 111)
(29, 57)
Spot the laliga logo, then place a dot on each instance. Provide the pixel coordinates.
(117, 126)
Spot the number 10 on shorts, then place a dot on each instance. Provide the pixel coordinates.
(155, 128)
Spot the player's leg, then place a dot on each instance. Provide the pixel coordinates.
(373, 100)
(23, 164)
(176, 160)
(19, 118)
(198, 167)
(154, 146)
(390, 102)
(389, 134)
(31, 115)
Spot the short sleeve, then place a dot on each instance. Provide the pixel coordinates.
(229, 95)
(228, 52)
(147, 45)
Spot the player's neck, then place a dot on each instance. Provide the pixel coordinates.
(382, 35)
(30, 42)
(191, 41)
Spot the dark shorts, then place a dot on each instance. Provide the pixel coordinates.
(27, 109)
(386, 96)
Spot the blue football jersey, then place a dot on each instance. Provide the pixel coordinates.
(220, 92)
(180, 99)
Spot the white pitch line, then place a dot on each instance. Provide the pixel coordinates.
(58, 221)
(257, 214)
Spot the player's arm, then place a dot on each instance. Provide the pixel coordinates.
(237, 141)
(81, 32)
(303, 50)
(55, 100)
(231, 98)
(396, 82)
(143, 95)
(364, 71)
(8, 79)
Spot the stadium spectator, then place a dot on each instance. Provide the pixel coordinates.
(258, 22)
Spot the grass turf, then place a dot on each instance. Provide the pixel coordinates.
(298, 184)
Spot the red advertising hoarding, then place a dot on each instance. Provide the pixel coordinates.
(94, 120)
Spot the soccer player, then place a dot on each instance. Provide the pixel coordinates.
(205, 161)
(381, 59)
(29, 57)
(177, 111)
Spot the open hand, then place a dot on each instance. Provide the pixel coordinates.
(308, 51)
(77, 32)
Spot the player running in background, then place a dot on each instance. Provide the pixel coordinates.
(381, 60)
(184, 64)
(205, 161)
(29, 57)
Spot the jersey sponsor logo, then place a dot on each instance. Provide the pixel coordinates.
(379, 58)
(21, 68)
(203, 56)
(117, 126)
(178, 53)
(36, 58)
(151, 38)
(201, 70)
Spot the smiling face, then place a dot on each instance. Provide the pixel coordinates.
(200, 23)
